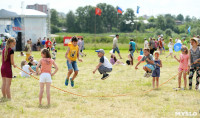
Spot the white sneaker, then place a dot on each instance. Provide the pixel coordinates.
(145, 75)
(149, 75)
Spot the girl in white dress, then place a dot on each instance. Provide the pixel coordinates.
(170, 45)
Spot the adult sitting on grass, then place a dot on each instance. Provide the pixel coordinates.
(115, 45)
(115, 61)
(104, 65)
(26, 68)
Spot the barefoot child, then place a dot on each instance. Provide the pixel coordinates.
(183, 67)
(115, 61)
(194, 54)
(71, 55)
(156, 72)
(6, 67)
(45, 73)
(149, 67)
(130, 60)
(104, 65)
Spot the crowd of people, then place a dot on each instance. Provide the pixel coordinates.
(189, 61)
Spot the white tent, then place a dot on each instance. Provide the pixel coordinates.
(31, 23)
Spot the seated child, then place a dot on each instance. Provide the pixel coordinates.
(115, 61)
(149, 67)
(34, 66)
(104, 65)
(31, 60)
(130, 60)
(25, 67)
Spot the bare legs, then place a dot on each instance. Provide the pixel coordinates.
(5, 87)
(48, 85)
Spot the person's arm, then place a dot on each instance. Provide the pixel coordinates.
(56, 68)
(150, 61)
(176, 58)
(67, 54)
(97, 67)
(78, 56)
(37, 68)
(160, 64)
(12, 60)
(136, 67)
(31, 70)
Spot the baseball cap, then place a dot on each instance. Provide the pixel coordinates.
(100, 50)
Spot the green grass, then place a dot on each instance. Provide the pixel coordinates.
(163, 102)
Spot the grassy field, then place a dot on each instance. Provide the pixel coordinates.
(163, 102)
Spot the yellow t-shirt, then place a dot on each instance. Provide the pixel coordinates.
(73, 50)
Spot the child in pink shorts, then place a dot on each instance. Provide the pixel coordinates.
(183, 67)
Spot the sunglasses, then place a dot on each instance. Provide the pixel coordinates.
(182, 49)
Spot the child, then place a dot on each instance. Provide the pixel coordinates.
(130, 60)
(48, 44)
(156, 72)
(25, 67)
(34, 65)
(183, 67)
(141, 51)
(149, 67)
(54, 53)
(28, 49)
(170, 45)
(71, 55)
(21, 54)
(45, 73)
(6, 67)
(194, 55)
(115, 61)
(104, 65)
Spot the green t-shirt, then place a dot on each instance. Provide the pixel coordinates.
(185, 42)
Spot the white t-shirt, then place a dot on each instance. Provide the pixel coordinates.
(26, 69)
(146, 44)
(115, 40)
(105, 62)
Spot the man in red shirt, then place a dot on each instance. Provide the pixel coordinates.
(48, 44)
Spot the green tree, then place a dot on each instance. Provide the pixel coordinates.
(160, 22)
(54, 17)
(180, 17)
(168, 32)
(70, 22)
(188, 19)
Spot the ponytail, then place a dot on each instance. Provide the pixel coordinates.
(10, 40)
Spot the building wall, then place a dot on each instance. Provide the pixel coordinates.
(42, 8)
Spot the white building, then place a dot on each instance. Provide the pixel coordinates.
(31, 24)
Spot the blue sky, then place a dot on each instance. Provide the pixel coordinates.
(148, 7)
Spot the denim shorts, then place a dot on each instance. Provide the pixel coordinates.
(73, 65)
(156, 73)
(150, 67)
(116, 49)
(132, 53)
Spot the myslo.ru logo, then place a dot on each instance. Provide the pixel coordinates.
(185, 113)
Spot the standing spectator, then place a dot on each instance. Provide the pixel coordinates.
(54, 42)
(156, 44)
(184, 41)
(79, 46)
(43, 42)
(160, 45)
(39, 44)
(115, 45)
(4, 44)
(163, 44)
(152, 46)
(48, 44)
(82, 48)
(146, 43)
(28, 50)
(170, 45)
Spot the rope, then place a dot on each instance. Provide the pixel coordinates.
(119, 95)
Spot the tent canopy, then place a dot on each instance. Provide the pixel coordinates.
(10, 13)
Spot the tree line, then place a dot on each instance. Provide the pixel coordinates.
(83, 20)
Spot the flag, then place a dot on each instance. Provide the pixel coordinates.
(119, 10)
(98, 11)
(189, 30)
(138, 7)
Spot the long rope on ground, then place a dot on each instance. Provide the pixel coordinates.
(119, 95)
